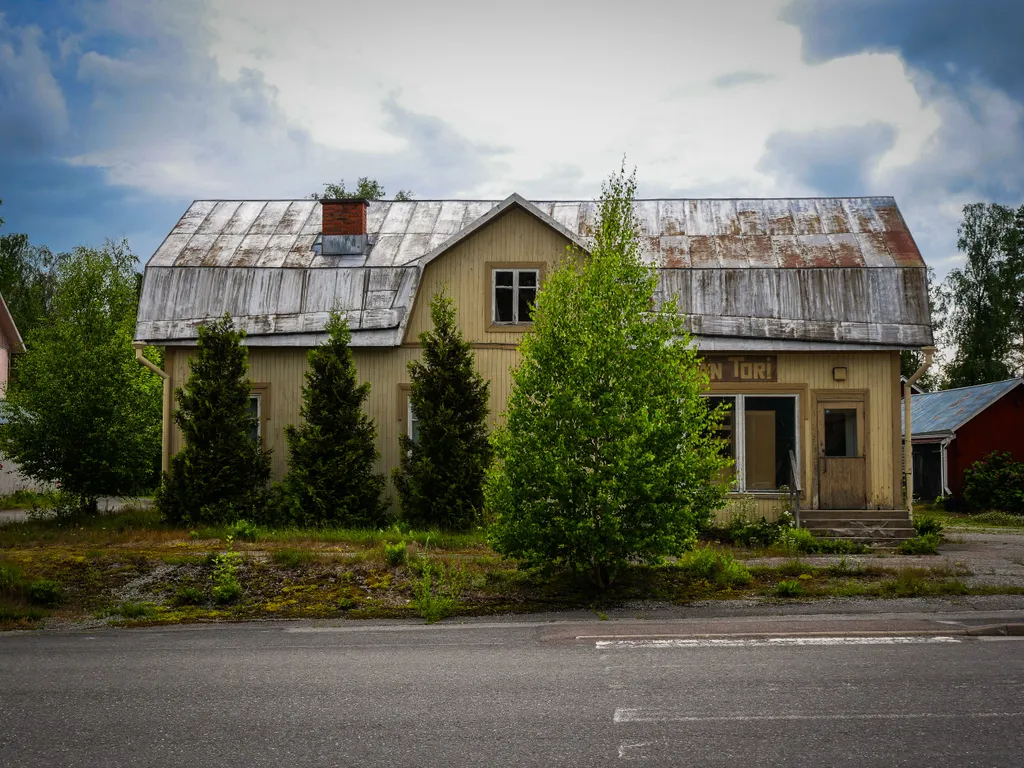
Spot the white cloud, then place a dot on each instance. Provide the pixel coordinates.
(32, 108)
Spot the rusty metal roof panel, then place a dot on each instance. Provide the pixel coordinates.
(218, 217)
(194, 217)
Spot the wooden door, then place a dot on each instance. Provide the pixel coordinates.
(842, 465)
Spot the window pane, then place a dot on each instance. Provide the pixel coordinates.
(770, 434)
(503, 305)
(526, 298)
(727, 431)
(254, 412)
(841, 432)
(503, 277)
(528, 278)
(414, 425)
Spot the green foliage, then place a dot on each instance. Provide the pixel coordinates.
(366, 189)
(746, 531)
(440, 476)
(925, 524)
(243, 530)
(714, 567)
(330, 478)
(225, 585)
(293, 558)
(924, 544)
(188, 595)
(395, 554)
(609, 453)
(220, 474)
(996, 482)
(985, 300)
(789, 588)
(437, 591)
(22, 499)
(45, 592)
(11, 583)
(135, 610)
(82, 412)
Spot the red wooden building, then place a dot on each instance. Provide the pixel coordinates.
(956, 427)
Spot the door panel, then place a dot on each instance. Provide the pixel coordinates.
(842, 465)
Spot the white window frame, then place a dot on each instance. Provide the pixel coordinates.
(410, 419)
(258, 396)
(516, 271)
(739, 431)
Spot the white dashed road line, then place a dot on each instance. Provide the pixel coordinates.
(749, 642)
(672, 716)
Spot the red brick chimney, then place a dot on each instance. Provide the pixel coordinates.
(344, 217)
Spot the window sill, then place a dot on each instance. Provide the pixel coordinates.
(759, 494)
(508, 327)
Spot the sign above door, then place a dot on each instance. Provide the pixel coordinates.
(741, 367)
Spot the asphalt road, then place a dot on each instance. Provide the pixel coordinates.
(517, 694)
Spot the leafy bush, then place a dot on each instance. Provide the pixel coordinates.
(789, 588)
(243, 530)
(45, 592)
(437, 591)
(926, 544)
(10, 580)
(221, 473)
(226, 587)
(441, 475)
(135, 610)
(395, 554)
(330, 478)
(995, 482)
(609, 454)
(714, 567)
(926, 524)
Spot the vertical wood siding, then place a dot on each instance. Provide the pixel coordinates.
(516, 237)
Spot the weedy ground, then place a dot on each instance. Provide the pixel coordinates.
(130, 569)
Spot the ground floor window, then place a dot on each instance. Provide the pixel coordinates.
(760, 431)
(255, 410)
(413, 423)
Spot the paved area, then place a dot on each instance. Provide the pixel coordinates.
(898, 689)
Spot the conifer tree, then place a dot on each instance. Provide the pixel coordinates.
(440, 478)
(330, 478)
(221, 473)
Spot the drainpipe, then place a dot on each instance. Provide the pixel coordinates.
(945, 468)
(165, 434)
(908, 465)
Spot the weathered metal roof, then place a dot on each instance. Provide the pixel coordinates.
(839, 271)
(783, 233)
(949, 409)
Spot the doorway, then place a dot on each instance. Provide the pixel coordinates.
(842, 465)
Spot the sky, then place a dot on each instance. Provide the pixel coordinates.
(116, 114)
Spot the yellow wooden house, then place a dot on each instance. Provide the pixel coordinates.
(800, 308)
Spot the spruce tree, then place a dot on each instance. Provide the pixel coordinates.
(440, 478)
(330, 478)
(221, 473)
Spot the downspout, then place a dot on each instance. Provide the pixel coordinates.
(945, 467)
(908, 466)
(165, 434)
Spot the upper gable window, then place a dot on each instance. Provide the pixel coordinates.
(513, 292)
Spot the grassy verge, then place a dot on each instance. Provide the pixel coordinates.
(129, 569)
(27, 499)
(981, 520)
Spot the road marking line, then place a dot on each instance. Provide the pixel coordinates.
(670, 716)
(634, 751)
(747, 642)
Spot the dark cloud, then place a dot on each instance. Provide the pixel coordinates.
(733, 79)
(955, 41)
(832, 162)
(33, 114)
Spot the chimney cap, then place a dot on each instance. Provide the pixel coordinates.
(340, 200)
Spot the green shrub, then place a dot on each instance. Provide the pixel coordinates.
(714, 567)
(243, 530)
(226, 587)
(925, 524)
(189, 595)
(136, 610)
(437, 591)
(395, 554)
(927, 544)
(995, 482)
(745, 532)
(45, 592)
(789, 588)
(333, 452)
(10, 580)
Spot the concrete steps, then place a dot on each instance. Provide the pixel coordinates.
(868, 526)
